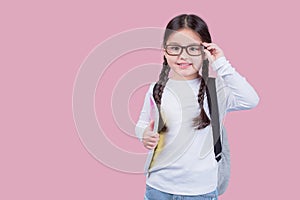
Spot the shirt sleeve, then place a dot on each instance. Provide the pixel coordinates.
(145, 116)
(240, 95)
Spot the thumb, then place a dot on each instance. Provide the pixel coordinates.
(208, 55)
(151, 125)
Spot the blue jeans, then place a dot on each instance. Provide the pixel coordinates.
(153, 194)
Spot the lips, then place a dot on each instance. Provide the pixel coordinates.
(184, 65)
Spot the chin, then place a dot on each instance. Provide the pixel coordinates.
(187, 73)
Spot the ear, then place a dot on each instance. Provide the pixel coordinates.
(165, 53)
(163, 50)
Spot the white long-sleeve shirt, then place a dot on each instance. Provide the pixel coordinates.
(192, 169)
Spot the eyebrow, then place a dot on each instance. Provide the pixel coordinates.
(175, 43)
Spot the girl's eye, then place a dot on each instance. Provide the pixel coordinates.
(175, 48)
(194, 49)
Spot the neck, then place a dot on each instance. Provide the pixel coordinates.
(179, 77)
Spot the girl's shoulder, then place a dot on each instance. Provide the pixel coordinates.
(151, 86)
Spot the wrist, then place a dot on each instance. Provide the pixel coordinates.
(219, 62)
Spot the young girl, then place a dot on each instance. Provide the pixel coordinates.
(182, 163)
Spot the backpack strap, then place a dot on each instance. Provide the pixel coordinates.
(214, 115)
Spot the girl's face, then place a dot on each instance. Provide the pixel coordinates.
(186, 65)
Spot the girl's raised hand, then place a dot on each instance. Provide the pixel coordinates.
(150, 139)
(212, 51)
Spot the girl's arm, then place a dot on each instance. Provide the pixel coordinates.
(240, 95)
(144, 118)
(145, 125)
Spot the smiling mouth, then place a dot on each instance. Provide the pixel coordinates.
(184, 65)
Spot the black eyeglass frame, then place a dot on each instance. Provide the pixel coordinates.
(186, 49)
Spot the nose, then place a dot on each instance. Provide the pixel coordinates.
(183, 54)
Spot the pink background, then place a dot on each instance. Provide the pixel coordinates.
(42, 46)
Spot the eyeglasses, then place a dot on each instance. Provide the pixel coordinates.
(176, 50)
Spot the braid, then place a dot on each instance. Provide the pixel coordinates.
(158, 91)
(202, 120)
(161, 83)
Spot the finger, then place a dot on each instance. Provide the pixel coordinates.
(208, 55)
(153, 139)
(210, 46)
(149, 143)
(151, 125)
(149, 139)
(149, 133)
(205, 44)
(153, 144)
(150, 146)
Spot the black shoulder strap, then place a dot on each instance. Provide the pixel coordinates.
(214, 114)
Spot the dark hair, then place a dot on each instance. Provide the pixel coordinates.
(196, 24)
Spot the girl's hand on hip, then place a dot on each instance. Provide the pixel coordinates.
(212, 51)
(150, 139)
